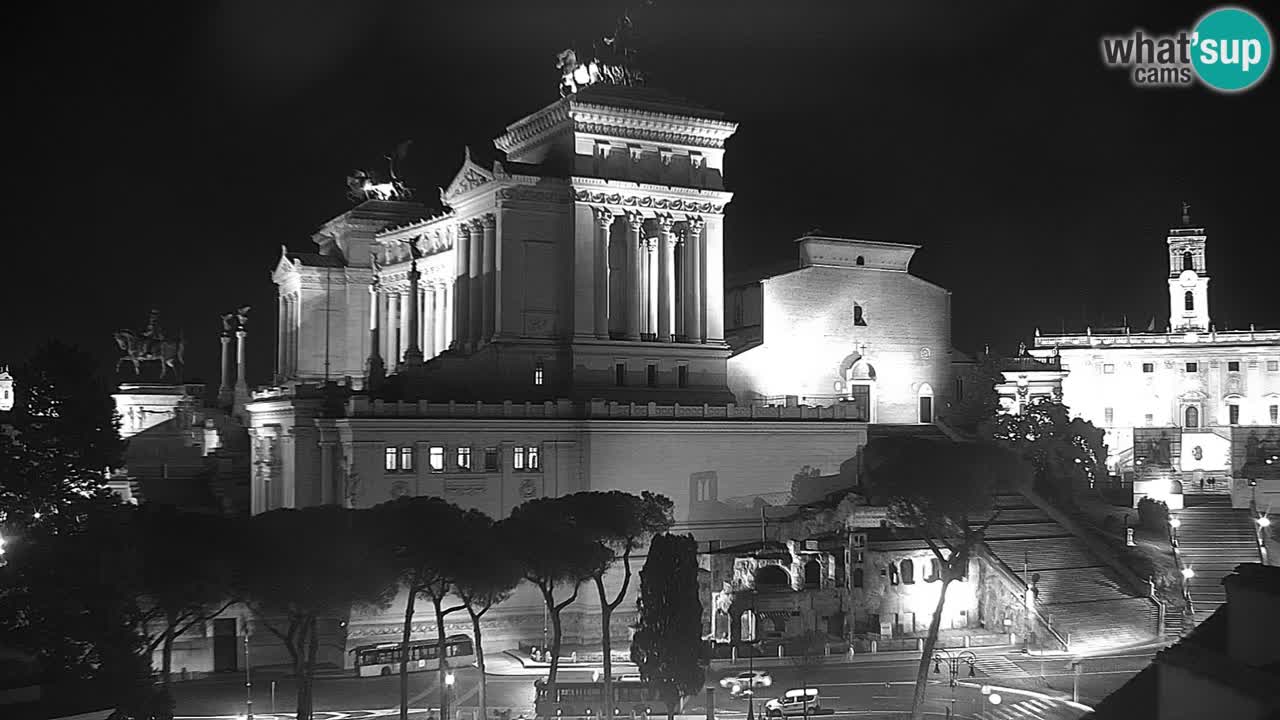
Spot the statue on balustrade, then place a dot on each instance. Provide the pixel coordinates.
(150, 345)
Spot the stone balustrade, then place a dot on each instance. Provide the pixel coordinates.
(1145, 339)
(360, 406)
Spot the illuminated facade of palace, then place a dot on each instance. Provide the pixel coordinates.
(1193, 409)
(560, 326)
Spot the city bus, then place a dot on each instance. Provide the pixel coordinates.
(585, 698)
(384, 659)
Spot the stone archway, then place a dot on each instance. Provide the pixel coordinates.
(859, 378)
(772, 577)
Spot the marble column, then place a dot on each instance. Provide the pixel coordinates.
(393, 328)
(604, 221)
(375, 370)
(461, 287)
(446, 310)
(693, 303)
(666, 278)
(635, 292)
(713, 279)
(413, 351)
(282, 324)
(242, 385)
(225, 387)
(429, 321)
(651, 289)
(292, 343)
(488, 300)
(475, 281)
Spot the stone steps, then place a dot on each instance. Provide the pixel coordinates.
(1043, 554)
(1026, 530)
(1214, 538)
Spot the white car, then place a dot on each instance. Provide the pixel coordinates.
(794, 702)
(750, 679)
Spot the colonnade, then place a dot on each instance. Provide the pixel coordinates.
(664, 278)
(290, 322)
(393, 324)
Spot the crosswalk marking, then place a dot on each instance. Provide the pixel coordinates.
(999, 666)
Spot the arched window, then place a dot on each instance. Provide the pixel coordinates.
(858, 319)
(812, 574)
(857, 577)
(1188, 261)
(908, 572)
(1192, 417)
(1189, 301)
(935, 571)
(859, 261)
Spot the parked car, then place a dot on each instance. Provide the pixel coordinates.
(750, 679)
(794, 702)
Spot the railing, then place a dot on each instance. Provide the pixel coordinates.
(360, 406)
(1033, 610)
(1171, 338)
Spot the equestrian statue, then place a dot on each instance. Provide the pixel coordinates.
(150, 345)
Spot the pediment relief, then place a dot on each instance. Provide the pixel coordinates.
(469, 177)
(284, 267)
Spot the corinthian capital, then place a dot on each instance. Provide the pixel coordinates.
(635, 220)
(604, 217)
(666, 223)
(488, 221)
(693, 225)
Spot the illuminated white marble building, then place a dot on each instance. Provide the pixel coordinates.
(1210, 390)
(559, 327)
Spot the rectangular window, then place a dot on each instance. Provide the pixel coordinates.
(537, 374)
(436, 458)
(464, 458)
(1275, 414)
(1110, 415)
(1193, 367)
(534, 457)
(682, 376)
(517, 458)
(406, 459)
(491, 459)
(391, 460)
(1148, 367)
(959, 390)
(1109, 369)
(1273, 365)
(1233, 366)
(620, 374)
(1233, 413)
(651, 375)
(1149, 419)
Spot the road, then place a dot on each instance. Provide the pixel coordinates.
(867, 689)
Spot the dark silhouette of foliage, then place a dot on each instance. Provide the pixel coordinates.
(667, 646)
(1064, 453)
(488, 574)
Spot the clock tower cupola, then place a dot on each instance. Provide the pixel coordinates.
(1188, 277)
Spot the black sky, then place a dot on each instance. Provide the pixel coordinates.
(165, 151)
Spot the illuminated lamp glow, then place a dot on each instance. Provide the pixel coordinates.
(448, 679)
(1175, 523)
(1188, 573)
(994, 698)
(1264, 521)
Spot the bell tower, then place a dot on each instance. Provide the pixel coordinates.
(1188, 277)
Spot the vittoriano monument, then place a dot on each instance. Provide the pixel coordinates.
(151, 345)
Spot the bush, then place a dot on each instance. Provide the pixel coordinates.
(1153, 514)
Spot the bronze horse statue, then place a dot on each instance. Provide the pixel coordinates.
(138, 349)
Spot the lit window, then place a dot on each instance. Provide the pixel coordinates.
(1193, 367)
(682, 376)
(620, 374)
(857, 316)
(537, 374)
(651, 375)
(1148, 367)
(390, 459)
(1233, 413)
(893, 574)
(406, 459)
(1109, 369)
(1149, 419)
(534, 457)
(437, 459)
(491, 459)
(517, 459)
(1233, 366)
(464, 458)
(908, 572)
(1110, 415)
(1275, 414)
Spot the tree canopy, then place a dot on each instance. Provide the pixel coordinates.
(667, 646)
(1065, 453)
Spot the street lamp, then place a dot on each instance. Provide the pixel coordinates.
(1174, 523)
(954, 663)
(1188, 573)
(448, 688)
(1263, 522)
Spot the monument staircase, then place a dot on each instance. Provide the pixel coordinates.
(1083, 599)
(1213, 540)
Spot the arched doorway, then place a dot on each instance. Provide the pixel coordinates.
(1191, 417)
(925, 402)
(860, 386)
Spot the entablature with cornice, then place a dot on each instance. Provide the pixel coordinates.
(649, 199)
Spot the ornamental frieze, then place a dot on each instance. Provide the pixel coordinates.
(531, 195)
(648, 201)
(649, 134)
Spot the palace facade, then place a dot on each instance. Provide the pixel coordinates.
(1192, 409)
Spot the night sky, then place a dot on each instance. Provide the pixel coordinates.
(165, 151)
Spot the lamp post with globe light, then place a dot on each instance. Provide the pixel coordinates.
(954, 663)
(444, 698)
